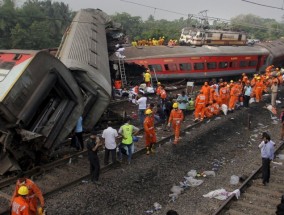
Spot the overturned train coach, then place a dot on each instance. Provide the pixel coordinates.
(180, 62)
(42, 97)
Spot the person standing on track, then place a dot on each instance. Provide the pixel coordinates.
(110, 134)
(176, 118)
(127, 131)
(182, 102)
(150, 133)
(267, 154)
(200, 106)
(93, 147)
(206, 92)
(34, 196)
(20, 204)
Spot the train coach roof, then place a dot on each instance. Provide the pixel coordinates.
(276, 48)
(133, 53)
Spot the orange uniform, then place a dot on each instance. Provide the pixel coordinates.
(206, 91)
(216, 107)
(234, 96)
(209, 111)
(34, 195)
(200, 106)
(224, 93)
(258, 89)
(158, 90)
(150, 134)
(20, 206)
(163, 94)
(176, 117)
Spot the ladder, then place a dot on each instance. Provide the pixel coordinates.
(154, 81)
(122, 71)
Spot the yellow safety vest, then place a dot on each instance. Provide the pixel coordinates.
(127, 134)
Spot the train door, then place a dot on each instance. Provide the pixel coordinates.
(259, 57)
(240, 37)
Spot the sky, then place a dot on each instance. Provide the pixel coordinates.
(224, 9)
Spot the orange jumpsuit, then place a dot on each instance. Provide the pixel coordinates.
(163, 94)
(234, 96)
(158, 90)
(224, 92)
(209, 111)
(20, 206)
(200, 106)
(258, 89)
(216, 108)
(150, 134)
(34, 195)
(176, 117)
(206, 92)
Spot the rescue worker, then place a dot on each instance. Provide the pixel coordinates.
(206, 92)
(147, 78)
(150, 133)
(258, 89)
(209, 110)
(20, 204)
(224, 93)
(199, 106)
(216, 108)
(176, 117)
(163, 96)
(34, 195)
(234, 96)
(158, 90)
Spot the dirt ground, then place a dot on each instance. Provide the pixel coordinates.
(224, 144)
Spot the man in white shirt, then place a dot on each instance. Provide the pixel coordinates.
(142, 105)
(109, 136)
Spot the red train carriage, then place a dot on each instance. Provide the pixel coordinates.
(182, 62)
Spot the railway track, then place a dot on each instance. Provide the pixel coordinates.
(255, 198)
(76, 168)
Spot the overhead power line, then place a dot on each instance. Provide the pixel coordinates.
(264, 5)
(201, 17)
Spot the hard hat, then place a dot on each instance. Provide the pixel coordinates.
(244, 74)
(258, 78)
(232, 81)
(147, 70)
(254, 75)
(148, 111)
(175, 105)
(159, 83)
(23, 190)
(135, 139)
(277, 69)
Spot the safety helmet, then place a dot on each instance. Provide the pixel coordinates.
(175, 105)
(159, 83)
(148, 111)
(232, 81)
(23, 190)
(258, 78)
(147, 70)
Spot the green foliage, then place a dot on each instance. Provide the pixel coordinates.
(35, 25)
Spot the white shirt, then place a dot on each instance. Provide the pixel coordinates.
(142, 102)
(109, 135)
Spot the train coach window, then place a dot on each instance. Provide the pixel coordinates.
(243, 63)
(198, 66)
(223, 65)
(170, 67)
(185, 66)
(211, 65)
(7, 65)
(233, 64)
(155, 67)
(252, 63)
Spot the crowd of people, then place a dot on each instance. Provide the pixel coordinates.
(154, 42)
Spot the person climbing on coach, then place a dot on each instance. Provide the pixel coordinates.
(34, 195)
(20, 204)
(147, 78)
(127, 131)
(200, 106)
(176, 118)
(206, 92)
(150, 133)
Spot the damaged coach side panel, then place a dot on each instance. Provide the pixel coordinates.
(40, 103)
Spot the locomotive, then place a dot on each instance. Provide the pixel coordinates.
(43, 96)
(205, 62)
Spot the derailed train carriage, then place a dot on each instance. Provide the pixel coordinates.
(42, 98)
